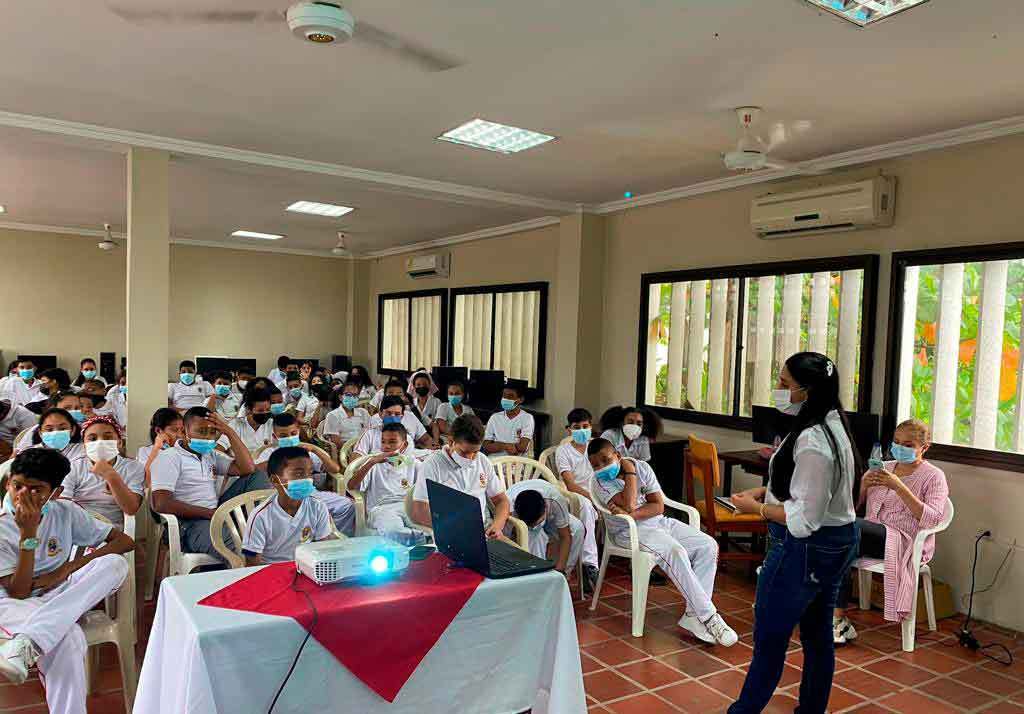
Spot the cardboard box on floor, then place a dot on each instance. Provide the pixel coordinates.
(943, 598)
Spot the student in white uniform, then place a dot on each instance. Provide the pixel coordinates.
(385, 479)
(94, 399)
(290, 517)
(242, 378)
(103, 481)
(86, 370)
(184, 478)
(117, 400)
(222, 400)
(462, 465)
(42, 592)
(361, 376)
(349, 420)
(510, 431)
(688, 556)
(25, 388)
(555, 533)
(14, 419)
(393, 388)
(575, 471)
(51, 383)
(451, 409)
(190, 390)
(424, 404)
(165, 430)
(631, 430)
(277, 374)
(253, 424)
(392, 412)
(57, 430)
(297, 400)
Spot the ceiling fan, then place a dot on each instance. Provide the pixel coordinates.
(752, 153)
(311, 20)
(341, 248)
(108, 242)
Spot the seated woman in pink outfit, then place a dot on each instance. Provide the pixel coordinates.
(907, 495)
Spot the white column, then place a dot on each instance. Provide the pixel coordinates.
(817, 331)
(947, 352)
(792, 298)
(912, 277)
(849, 335)
(696, 341)
(717, 357)
(764, 344)
(990, 354)
(148, 289)
(676, 344)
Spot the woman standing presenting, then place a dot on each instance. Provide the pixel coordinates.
(812, 534)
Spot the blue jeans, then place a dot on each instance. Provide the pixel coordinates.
(798, 585)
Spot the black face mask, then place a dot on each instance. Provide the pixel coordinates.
(261, 418)
(423, 391)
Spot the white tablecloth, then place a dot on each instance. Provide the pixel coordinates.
(513, 647)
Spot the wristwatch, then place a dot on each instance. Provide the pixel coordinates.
(29, 543)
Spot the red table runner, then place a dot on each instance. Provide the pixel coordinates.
(380, 632)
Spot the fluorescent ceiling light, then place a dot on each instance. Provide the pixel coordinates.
(257, 234)
(319, 209)
(865, 12)
(3, 209)
(484, 134)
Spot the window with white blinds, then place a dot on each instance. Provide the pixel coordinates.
(501, 327)
(410, 330)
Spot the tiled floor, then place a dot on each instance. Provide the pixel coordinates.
(666, 671)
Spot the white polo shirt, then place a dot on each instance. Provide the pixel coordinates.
(64, 526)
(509, 431)
(318, 464)
(376, 399)
(371, 438)
(639, 449)
(447, 412)
(387, 484)
(557, 515)
(478, 479)
(646, 482)
(252, 438)
(305, 406)
(348, 426)
(116, 406)
(18, 392)
(191, 478)
(273, 534)
(18, 419)
(186, 396)
(567, 458)
(228, 406)
(429, 409)
(275, 375)
(93, 494)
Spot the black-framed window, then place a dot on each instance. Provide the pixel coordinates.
(501, 327)
(712, 341)
(411, 330)
(954, 351)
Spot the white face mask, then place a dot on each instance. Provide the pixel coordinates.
(632, 431)
(105, 450)
(782, 400)
(461, 460)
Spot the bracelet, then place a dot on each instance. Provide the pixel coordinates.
(761, 511)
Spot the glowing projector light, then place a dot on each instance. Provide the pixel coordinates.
(332, 561)
(379, 564)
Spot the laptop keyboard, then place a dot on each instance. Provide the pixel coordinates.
(501, 563)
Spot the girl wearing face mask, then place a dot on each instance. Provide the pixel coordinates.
(907, 495)
(57, 430)
(67, 401)
(421, 392)
(451, 410)
(253, 424)
(87, 370)
(165, 429)
(348, 420)
(812, 534)
(104, 482)
(631, 430)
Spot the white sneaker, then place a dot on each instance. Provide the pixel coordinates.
(723, 634)
(16, 656)
(842, 630)
(695, 627)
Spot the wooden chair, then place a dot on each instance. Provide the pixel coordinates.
(701, 465)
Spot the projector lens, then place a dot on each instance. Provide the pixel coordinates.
(379, 564)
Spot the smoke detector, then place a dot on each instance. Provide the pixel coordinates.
(320, 22)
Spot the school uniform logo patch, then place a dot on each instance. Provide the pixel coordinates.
(483, 480)
(53, 546)
(307, 532)
(405, 484)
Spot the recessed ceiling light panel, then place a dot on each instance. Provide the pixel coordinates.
(483, 134)
(865, 12)
(319, 209)
(257, 234)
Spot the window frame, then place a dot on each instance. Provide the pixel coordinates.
(868, 262)
(972, 456)
(410, 295)
(542, 327)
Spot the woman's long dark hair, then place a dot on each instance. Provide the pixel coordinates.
(817, 374)
(614, 417)
(161, 419)
(80, 379)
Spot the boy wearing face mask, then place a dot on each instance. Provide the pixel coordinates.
(688, 556)
(392, 411)
(242, 378)
(576, 473)
(291, 516)
(349, 420)
(385, 479)
(42, 592)
(510, 431)
(189, 391)
(452, 409)
(222, 400)
(555, 534)
(103, 481)
(24, 388)
(253, 427)
(297, 400)
(186, 477)
(14, 419)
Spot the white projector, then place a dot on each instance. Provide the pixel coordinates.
(331, 561)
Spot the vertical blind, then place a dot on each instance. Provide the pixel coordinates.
(499, 330)
(410, 332)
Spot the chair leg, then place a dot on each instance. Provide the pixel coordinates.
(579, 578)
(129, 672)
(864, 589)
(156, 534)
(605, 557)
(92, 668)
(929, 598)
(641, 571)
(909, 625)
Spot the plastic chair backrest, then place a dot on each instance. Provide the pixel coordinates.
(922, 535)
(346, 449)
(24, 434)
(547, 457)
(234, 516)
(513, 469)
(349, 472)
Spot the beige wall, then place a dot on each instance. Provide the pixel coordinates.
(966, 195)
(223, 302)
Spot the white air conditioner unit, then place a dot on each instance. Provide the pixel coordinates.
(427, 266)
(826, 209)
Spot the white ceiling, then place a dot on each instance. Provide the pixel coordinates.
(639, 94)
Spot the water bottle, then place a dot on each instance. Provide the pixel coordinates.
(875, 462)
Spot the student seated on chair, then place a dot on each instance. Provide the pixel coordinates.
(385, 478)
(423, 403)
(302, 404)
(102, 481)
(165, 429)
(631, 430)
(14, 419)
(183, 477)
(278, 373)
(94, 399)
(51, 383)
(222, 400)
(58, 428)
(287, 432)
(86, 370)
(117, 399)
(463, 466)
(452, 409)
(290, 517)
(42, 592)
(907, 495)
(23, 388)
(555, 533)
(349, 420)
(252, 424)
(361, 376)
(392, 411)
(242, 378)
(190, 390)
(510, 431)
(689, 557)
(394, 387)
(576, 473)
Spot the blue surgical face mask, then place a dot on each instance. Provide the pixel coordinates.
(508, 405)
(202, 446)
(581, 436)
(9, 505)
(391, 419)
(455, 399)
(89, 373)
(296, 393)
(903, 454)
(187, 378)
(222, 390)
(77, 414)
(288, 440)
(350, 401)
(300, 489)
(123, 389)
(608, 473)
(26, 374)
(56, 439)
(276, 409)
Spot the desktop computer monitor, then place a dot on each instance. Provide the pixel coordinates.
(485, 387)
(445, 375)
(770, 423)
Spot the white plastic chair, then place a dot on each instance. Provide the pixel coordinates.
(346, 450)
(234, 515)
(641, 562)
(357, 496)
(178, 562)
(547, 458)
(866, 566)
(24, 434)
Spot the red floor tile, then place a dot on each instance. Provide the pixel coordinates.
(590, 664)
(840, 699)
(931, 659)
(650, 673)
(618, 625)
(898, 671)
(693, 662)
(695, 697)
(989, 681)
(958, 694)
(729, 682)
(659, 642)
(607, 684)
(864, 683)
(1004, 707)
(31, 692)
(642, 704)
(590, 633)
(911, 702)
(615, 652)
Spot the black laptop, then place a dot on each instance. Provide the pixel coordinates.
(459, 534)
